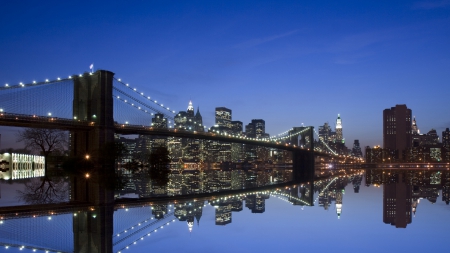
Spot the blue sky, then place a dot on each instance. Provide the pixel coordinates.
(287, 62)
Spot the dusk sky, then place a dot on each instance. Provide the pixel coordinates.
(287, 62)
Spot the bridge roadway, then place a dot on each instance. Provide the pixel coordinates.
(23, 120)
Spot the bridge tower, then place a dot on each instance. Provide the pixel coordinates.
(304, 137)
(93, 102)
(303, 161)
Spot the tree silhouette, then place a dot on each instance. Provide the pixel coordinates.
(43, 190)
(44, 140)
(40, 191)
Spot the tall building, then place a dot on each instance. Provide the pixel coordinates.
(256, 129)
(223, 117)
(339, 135)
(159, 121)
(236, 127)
(397, 129)
(189, 121)
(325, 132)
(198, 121)
(356, 151)
(446, 138)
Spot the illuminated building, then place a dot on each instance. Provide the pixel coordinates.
(356, 151)
(397, 129)
(189, 121)
(20, 166)
(446, 138)
(256, 129)
(159, 121)
(223, 117)
(236, 127)
(339, 135)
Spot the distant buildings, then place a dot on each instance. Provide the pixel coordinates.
(403, 142)
(334, 140)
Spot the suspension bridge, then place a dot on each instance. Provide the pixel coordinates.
(100, 101)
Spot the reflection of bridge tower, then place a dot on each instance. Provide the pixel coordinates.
(93, 230)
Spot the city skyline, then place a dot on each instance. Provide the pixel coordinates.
(287, 63)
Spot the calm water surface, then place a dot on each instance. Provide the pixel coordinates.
(370, 211)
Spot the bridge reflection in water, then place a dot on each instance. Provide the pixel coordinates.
(131, 223)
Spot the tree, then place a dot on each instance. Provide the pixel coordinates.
(39, 191)
(44, 140)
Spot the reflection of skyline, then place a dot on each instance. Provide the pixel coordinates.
(191, 212)
(403, 190)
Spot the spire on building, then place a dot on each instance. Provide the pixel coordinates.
(415, 129)
(190, 107)
(197, 115)
(339, 135)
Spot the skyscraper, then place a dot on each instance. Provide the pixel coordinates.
(223, 117)
(446, 138)
(397, 129)
(339, 135)
(356, 151)
(159, 121)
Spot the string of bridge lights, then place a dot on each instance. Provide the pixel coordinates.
(34, 82)
(22, 247)
(290, 135)
(143, 237)
(139, 223)
(135, 106)
(142, 95)
(326, 145)
(325, 188)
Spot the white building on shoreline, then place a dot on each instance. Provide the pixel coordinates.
(20, 166)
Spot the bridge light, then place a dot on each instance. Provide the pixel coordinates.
(126, 85)
(87, 175)
(119, 80)
(134, 89)
(74, 117)
(49, 114)
(59, 79)
(46, 80)
(34, 82)
(81, 75)
(70, 77)
(142, 93)
(126, 122)
(6, 85)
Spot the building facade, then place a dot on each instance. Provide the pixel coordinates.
(397, 129)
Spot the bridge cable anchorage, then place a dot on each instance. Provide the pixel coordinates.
(142, 95)
(138, 107)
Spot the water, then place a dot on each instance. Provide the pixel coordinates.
(342, 213)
